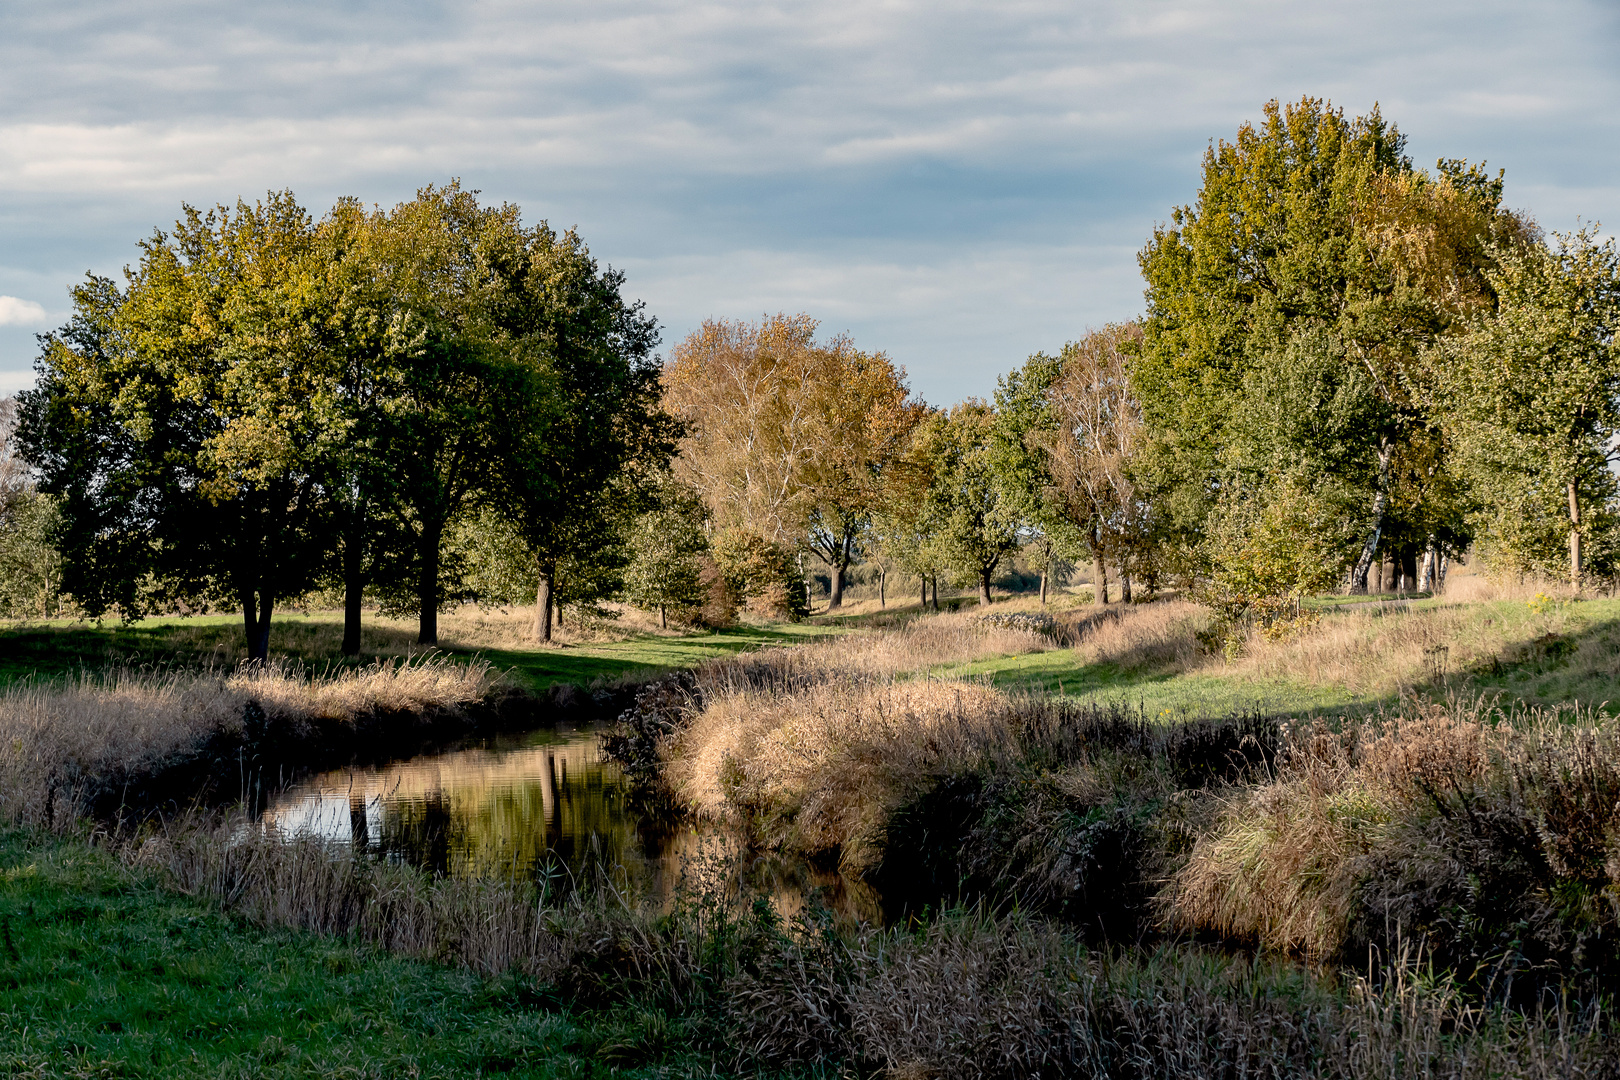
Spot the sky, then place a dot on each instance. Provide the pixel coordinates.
(958, 185)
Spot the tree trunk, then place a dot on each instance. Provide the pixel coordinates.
(924, 604)
(427, 585)
(257, 626)
(1409, 569)
(1574, 539)
(835, 592)
(1124, 586)
(1431, 560)
(935, 579)
(1044, 571)
(542, 608)
(353, 589)
(663, 619)
(1358, 576)
(984, 588)
(1440, 574)
(1378, 577)
(883, 586)
(1099, 580)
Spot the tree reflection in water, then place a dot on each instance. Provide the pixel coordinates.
(543, 807)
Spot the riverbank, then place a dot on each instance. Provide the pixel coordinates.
(1138, 887)
(109, 970)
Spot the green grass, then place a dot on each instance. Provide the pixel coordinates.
(63, 648)
(105, 974)
(644, 653)
(1166, 694)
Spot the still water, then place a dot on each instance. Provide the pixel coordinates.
(543, 806)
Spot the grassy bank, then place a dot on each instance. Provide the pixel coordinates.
(298, 963)
(582, 654)
(108, 973)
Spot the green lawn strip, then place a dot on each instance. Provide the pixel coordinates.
(53, 650)
(103, 974)
(1159, 695)
(539, 668)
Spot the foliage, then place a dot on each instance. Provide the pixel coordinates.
(759, 573)
(788, 438)
(1533, 393)
(184, 422)
(1314, 245)
(1268, 548)
(664, 574)
(974, 525)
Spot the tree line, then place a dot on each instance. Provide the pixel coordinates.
(1343, 358)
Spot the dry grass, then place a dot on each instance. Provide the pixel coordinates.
(819, 769)
(1358, 818)
(813, 745)
(60, 741)
(1132, 637)
(969, 995)
(919, 645)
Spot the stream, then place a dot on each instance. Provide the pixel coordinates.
(542, 806)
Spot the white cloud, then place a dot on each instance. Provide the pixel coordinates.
(956, 181)
(17, 312)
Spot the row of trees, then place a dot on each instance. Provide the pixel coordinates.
(271, 403)
(1342, 356)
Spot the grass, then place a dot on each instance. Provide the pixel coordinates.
(107, 974)
(601, 652)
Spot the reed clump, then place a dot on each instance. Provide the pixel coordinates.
(1488, 836)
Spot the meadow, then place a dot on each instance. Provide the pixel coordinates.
(1381, 846)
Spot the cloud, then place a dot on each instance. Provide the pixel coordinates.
(17, 312)
(905, 166)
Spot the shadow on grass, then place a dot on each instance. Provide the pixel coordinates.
(43, 650)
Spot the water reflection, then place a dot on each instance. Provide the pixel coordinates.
(542, 807)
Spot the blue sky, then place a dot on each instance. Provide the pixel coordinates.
(957, 184)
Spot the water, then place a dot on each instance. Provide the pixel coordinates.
(543, 807)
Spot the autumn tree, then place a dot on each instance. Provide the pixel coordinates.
(1073, 424)
(788, 437)
(865, 414)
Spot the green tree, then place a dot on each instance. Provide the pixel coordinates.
(1308, 224)
(185, 422)
(1534, 395)
(579, 430)
(1024, 422)
(664, 574)
(974, 526)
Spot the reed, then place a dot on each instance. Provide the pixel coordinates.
(64, 741)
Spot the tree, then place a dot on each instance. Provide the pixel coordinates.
(974, 526)
(1024, 421)
(787, 438)
(1534, 395)
(579, 429)
(664, 574)
(1087, 446)
(1308, 223)
(185, 422)
(864, 414)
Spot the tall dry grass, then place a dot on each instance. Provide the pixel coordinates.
(63, 742)
(1447, 825)
(969, 995)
